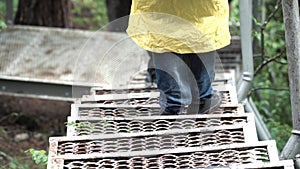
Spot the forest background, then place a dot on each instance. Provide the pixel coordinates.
(270, 89)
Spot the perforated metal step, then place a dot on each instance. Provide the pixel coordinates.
(255, 154)
(113, 125)
(286, 164)
(122, 129)
(108, 110)
(223, 76)
(228, 94)
(128, 89)
(157, 140)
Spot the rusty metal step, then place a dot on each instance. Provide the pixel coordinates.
(115, 125)
(124, 90)
(156, 140)
(285, 164)
(233, 48)
(225, 81)
(110, 110)
(238, 155)
(122, 128)
(223, 74)
(228, 94)
(231, 58)
(235, 67)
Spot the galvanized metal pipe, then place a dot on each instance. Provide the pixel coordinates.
(244, 85)
(262, 130)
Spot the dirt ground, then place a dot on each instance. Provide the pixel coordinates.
(28, 123)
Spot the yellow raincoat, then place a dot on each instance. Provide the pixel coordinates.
(180, 26)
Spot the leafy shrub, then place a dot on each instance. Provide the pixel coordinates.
(39, 156)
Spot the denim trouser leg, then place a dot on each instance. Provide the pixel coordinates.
(203, 68)
(182, 78)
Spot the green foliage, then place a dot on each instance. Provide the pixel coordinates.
(273, 98)
(2, 9)
(39, 156)
(2, 25)
(8, 162)
(17, 164)
(89, 14)
(280, 131)
(2, 14)
(74, 124)
(234, 19)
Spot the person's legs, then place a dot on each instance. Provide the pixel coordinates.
(203, 68)
(173, 81)
(151, 77)
(186, 79)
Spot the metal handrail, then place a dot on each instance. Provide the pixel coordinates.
(244, 85)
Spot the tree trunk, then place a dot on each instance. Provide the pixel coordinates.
(292, 39)
(52, 13)
(117, 12)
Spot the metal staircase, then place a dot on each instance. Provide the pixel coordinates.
(122, 128)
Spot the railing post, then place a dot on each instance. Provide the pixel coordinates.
(245, 7)
(292, 38)
(244, 85)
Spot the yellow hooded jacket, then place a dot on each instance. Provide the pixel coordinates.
(180, 26)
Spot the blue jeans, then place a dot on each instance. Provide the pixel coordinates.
(183, 78)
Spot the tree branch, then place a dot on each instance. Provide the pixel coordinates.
(269, 88)
(264, 25)
(279, 62)
(270, 17)
(266, 61)
(266, 88)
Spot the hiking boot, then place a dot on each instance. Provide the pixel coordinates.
(210, 103)
(150, 77)
(206, 104)
(169, 113)
(165, 113)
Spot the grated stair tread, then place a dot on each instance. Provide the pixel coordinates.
(227, 92)
(113, 125)
(123, 110)
(123, 128)
(236, 155)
